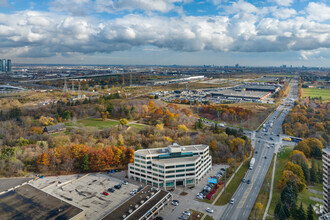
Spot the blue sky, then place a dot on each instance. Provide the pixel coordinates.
(165, 32)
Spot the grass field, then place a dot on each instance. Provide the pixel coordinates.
(304, 197)
(263, 195)
(314, 92)
(282, 159)
(93, 122)
(231, 188)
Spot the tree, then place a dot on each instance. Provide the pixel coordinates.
(159, 127)
(259, 207)
(213, 145)
(120, 141)
(123, 121)
(303, 146)
(277, 208)
(46, 120)
(84, 166)
(281, 213)
(183, 128)
(298, 157)
(301, 212)
(310, 212)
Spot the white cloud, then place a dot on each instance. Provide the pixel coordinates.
(309, 54)
(75, 7)
(284, 2)
(283, 13)
(318, 11)
(132, 5)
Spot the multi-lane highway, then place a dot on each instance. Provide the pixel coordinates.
(265, 141)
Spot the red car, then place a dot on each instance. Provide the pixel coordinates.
(105, 193)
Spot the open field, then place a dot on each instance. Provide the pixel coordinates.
(231, 188)
(304, 197)
(314, 92)
(93, 122)
(263, 195)
(282, 159)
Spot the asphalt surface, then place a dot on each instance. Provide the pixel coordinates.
(265, 141)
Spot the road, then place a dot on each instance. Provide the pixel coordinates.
(266, 141)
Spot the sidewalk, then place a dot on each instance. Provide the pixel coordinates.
(271, 189)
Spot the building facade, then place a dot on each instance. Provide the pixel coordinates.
(8, 65)
(3, 65)
(326, 179)
(172, 166)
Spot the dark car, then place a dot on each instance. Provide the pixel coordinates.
(223, 169)
(118, 186)
(248, 182)
(256, 152)
(111, 190)
(271, 138)
(159, 218)
(265, 157)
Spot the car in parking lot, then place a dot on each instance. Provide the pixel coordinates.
(183, 217)
(111, 190)
(187, 213)
(243, 180)
(271, 138)
(118, 186)
(125, 182)
(209, 210)
(175, 202)
(232, 201)
(105, 193)
(223, 169)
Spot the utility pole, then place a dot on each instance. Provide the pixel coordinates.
(65, 87)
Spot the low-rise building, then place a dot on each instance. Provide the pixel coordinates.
(172, 166)
(55, 128)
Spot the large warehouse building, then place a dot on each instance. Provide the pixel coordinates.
(171, 166)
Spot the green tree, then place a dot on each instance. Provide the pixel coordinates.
(301, 212)
(313, 172)
(286, 210)
(294, 210)
(84, 166)
(277, 208)
(123, 121)
(281, 214)
(310, 212)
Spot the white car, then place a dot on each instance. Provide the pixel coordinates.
(231, 201)
(187, 213)
(209, 210)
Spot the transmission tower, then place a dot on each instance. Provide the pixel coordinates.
(130, 80)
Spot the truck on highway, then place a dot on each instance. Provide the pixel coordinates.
(252, 163)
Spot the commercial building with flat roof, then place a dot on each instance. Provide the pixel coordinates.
(172, 166)
(326, 179)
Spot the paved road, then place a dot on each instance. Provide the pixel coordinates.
(266, 141)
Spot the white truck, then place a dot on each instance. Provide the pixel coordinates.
(271, 124)
(252, 163)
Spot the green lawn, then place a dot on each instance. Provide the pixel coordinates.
(282, 159)
(314, 92)
(207, 217)
(263, 195)
(231, 188)
(93, 122)
(138, 126)
(194, 215)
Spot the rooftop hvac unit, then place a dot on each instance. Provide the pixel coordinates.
(152, 193)
(136, 206)
(147, 197)
(124, 216)
(142, 201)
(130, 211)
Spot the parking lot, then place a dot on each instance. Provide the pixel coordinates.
(189, 200)
(86, 192)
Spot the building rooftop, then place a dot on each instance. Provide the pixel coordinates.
(28, 202)
(181, 160)
(171, 148)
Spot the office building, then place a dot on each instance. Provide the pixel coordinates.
(326, 179)
(8, 65)
(3, 66)
(172, 166)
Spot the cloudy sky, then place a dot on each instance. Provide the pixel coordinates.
(183, 32)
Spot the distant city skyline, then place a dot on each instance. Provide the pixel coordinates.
(166, 32)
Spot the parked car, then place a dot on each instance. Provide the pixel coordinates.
(125, 182)
(118, 186)
(223, 169)
(105, 193)
(232, 201)
(243, 180)
(182, 217)
(209, 210)
(111, 190)
(187, 213)
(248, 182)
(159, 218)
(175, 202)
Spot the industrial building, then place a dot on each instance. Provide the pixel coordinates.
(241, 95)
(326, 179)
(172, 166)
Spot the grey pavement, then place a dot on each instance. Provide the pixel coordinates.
(8, 183)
